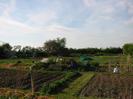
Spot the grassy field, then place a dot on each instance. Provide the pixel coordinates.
(13, 61)
(16, 63)
(99, 59)
(112, 59)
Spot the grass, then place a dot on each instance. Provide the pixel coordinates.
(13, 61)
(99, 59)
(5, 63)
(112, 59)
(103, 59)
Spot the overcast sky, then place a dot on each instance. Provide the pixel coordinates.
(84, 23)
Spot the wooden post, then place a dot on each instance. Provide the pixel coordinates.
(121, 63)
(32, 81)
(109, 66)
(128, 62)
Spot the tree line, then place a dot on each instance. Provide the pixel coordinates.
(57, 47)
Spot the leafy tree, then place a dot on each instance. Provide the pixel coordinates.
(56, 46)
(5, 51)
(112, 50)
(17, 48)
(128, 49)
(95, 51)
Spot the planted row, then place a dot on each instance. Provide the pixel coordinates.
(58, 85)
(21, 79)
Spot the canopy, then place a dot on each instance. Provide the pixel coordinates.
(85, 58)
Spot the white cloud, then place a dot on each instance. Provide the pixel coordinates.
(59, 28)
(122, 4)
(43, 17)
(9, 8)
(10, 26)
(128, 4)
(129, 22)
(99, 13)
(18, 33)
(105, 18)
(130, 8)
(108, 9)
(2, 6)
(89, 3)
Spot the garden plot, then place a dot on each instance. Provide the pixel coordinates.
(21, 79)
(116, 86)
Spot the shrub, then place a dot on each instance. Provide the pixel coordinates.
(18, 62)
(94, 65)
(41, 65)
(51, 61)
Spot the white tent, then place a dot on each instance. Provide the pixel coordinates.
(44, 60)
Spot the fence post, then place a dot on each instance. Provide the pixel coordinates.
(32, 81)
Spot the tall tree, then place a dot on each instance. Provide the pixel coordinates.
(128, 49)
(5, 51)
(55, 47)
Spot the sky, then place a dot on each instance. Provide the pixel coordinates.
(84, 23)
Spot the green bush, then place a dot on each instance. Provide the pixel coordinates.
(94, 66)
(70, 65)
(51, 61)
(41, 65)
